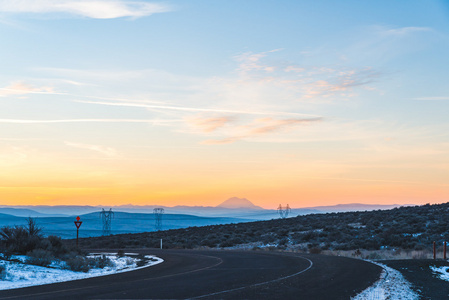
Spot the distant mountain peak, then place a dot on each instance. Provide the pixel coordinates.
(236, 202)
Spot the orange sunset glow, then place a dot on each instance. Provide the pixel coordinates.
(190, 105)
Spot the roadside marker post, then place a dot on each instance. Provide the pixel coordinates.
(444, 250)
(434, 251)
(78, 225)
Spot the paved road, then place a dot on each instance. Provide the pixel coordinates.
(188, 274)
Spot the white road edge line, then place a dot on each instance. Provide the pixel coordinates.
(257, 284)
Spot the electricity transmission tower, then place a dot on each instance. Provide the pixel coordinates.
(158, 212)
(284, 211)
(106, 217)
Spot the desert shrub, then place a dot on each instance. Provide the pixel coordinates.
(419, 247)
(227, 243)
(141, 262)
(283, 241)
(32, 228)
(140, 256)
(6, 253)
(129, 261)
(211, 243)
(56, 245)
(20, 239)
(78, 263)
(3, 272)
(40, 257)
(267, 239)
(100, 262)
(281, 247)
(121, 253)
(13, 238)
(315, 250)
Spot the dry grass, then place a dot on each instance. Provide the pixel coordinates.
(384, 254)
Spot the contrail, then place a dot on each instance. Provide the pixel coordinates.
(22, 121)
(197, 109)
(181, 108)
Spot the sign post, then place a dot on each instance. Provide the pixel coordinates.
(434, 251)
(444, 256)
(77, 224)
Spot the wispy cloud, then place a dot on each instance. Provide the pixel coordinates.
(108, 151)
(228, 140)
(405, 30)
(302, 82)
(262, 100)
(208, 124)
(20, 88)
(267, 125)
(259, 127)
(98, 9)
(381, 44)
(431, 98)
(340, 82)
(250, 61)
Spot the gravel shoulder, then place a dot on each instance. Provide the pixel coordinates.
(423, 280)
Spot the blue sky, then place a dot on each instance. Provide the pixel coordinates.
(192, 102)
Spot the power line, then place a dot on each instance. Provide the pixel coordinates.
(106, 217)
(158, 212)
(283, 211)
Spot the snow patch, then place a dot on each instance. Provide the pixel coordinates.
(391, 285)
(18, 275)
(442, 272)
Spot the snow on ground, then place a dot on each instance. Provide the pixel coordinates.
(22, 275)
(442, 272)
(391, 285)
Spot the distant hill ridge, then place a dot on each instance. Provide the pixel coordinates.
(232, 207)
(412, 228)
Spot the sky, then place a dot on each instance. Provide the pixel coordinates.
(192, 102)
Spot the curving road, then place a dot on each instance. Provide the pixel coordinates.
(189, 274)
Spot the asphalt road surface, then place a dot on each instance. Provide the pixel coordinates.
(189, 274)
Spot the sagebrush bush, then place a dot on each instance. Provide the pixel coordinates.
(20, 239)
(141, 263)
(40, 257)
(3, 272)
(100, 262)
(315, 250)
(57, 246)
(77, 263)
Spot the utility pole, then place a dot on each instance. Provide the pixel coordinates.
(284, 211)
(158, 212)
(106, 217)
